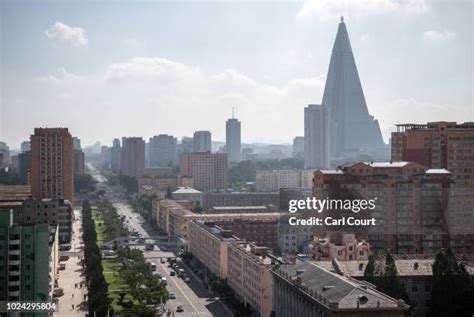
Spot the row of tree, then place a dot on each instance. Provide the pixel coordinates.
(145, 289)
(97, 286)
(114, 227)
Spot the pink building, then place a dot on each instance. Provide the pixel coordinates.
(341, 246)
(248, 274)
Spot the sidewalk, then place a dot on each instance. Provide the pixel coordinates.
(71, 278)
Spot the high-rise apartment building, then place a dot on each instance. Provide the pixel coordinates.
(410, 204)
(233, 140)
(208, 170)
(132, 156)
(298, 147)
(316, 137)
(76, 143)
(79, 162)
(25, 146)
(4, 154)
(28, 260)
(115, 156)
(202, 141)
(437, 145)
(163, 150)
(52, 164)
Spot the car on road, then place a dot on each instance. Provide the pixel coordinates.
(162, 260)
(172, 295)
(179, 308)
(187, 279)
(172, 273)
(164, 281)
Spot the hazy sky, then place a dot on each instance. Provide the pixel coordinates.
(114, 69)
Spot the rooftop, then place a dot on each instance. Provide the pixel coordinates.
(336, 290)
(15, 192)
(186, 190)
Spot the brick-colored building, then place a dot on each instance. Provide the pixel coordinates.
(411, 204)
(208, 170)
(132, 157)
(442, 144)
(52, 164)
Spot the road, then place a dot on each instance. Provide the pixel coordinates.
(195, 299)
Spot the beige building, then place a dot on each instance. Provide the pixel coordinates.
(249, 275)
(172, 219)
(273, 180)
(208, 170)
(209, 245)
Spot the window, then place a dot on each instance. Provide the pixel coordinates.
(427, 287)
(414, 288)
(428, 303)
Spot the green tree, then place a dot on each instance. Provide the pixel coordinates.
(453, 288)
(369, 273)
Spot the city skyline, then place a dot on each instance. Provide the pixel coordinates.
(118, 75)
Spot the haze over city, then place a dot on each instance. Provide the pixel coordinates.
(109, 70)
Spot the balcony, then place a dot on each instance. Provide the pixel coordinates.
(14, 242)
(14, 252)
(14, 294)
(14, 262)
(14, 283)
(14, 273)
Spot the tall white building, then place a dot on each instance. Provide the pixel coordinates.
(232, 140)
(163, 150)
(202, 141)
(316, 137)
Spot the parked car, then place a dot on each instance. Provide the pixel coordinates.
(172, 273)
(179, 308)
(162, 260)
(187, 279)
(172, 296)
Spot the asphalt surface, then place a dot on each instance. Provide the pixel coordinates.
(193, 297)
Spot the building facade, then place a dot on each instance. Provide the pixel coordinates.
(411, 204)
(208, 170)
(132, 156)
(202, 141)
(437, 145)
(316, 137)
(52, 164)
(28, 261)
(274, 180)
(211, 200)
(233, 140)
(163, 150)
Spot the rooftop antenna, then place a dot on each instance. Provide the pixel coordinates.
(232, 112)
(342, 19)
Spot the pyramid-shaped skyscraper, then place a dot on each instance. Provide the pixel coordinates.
(351, 127)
